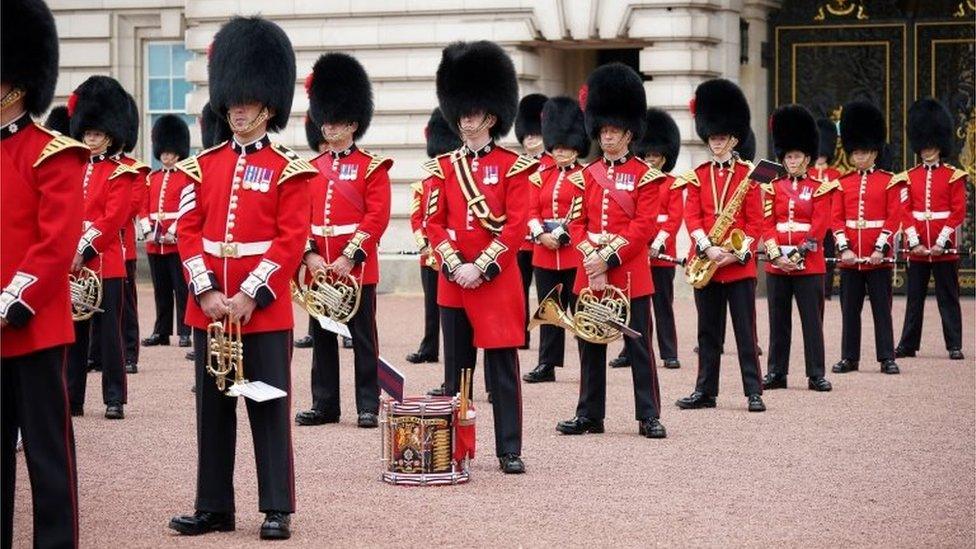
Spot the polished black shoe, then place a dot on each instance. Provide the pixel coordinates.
(696, 400)
(652, 428)
(276, 525)
(438, 391)
(202, 522)
(315, 417)
(303, 342)
(346, 342)
(889, 367)
(420, 358)
(511, 464)
(819, 384)
(622, 361)
(131, 368)
(756, 404)
(154, 340)
(114, 411)
(759, 351)
(956, 354)
(185, 341)
(672, 363)
(844, 366)
(489, 398)
(901, 352)
(774, 381)
(77, 411)
(190, 355)
(579, 425)
(541, 374)
(367, 420)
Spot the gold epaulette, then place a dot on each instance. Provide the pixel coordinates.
(296, 164)
(901, 177)
(139, 164)
(191, 167)
(767, 207)
(418, 190)
(652, 174)
(685, 178)
(521, 164)
(536, 179)
(745, 162)
(433, 166)
(768, 188)
(417, 187)
(57, 144)
(825, 187)
(375, 161)
(957, 174)
(576, 178)
(121, 169)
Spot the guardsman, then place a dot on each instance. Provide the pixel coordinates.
(441, 139)
(722, 122)
(241, 244)
(868, 212)
(58, 120)
(554, 201)
(935, 210)
(796, 214)
(621, 200)
(169, 197)
(316, 143)
(98, 110)
(821, 170)
(476, 230)
(350, 213)
(41, 173)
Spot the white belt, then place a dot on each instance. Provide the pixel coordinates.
(555, 220)
(661, 218)
(792, 226)
(334, 230)
(235, 249)
(600, 238)
(863, 224)
(925, 216)
(165, 216)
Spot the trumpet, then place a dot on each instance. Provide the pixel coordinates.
(85, 288)
(599, 319)
(225, 352)
(327, 295)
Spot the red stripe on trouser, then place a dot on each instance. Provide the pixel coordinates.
(291, 443)
(518, 388)
(69, 454)
(655, 392)
(121, 334)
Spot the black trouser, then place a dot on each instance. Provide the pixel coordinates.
(430, 345)
(808, 291)
(130, 314)
(552, 339)
(34, 398)
(107, 327)
(525, 267)
(947, 296)
(267, 358)
(593, 362)
(501, 374)
(711, 302)
(168, 281)
(854, 285)
(830, 247)
(663, 302)
(325, 360)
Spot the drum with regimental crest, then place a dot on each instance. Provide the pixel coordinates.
(425, 440)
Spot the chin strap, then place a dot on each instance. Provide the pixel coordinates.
(11, 97)
(261, 117)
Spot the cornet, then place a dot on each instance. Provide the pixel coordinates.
(86, 294)
(225, 352)
(596, 319)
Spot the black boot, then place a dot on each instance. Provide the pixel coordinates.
(672, 363)
(819, 384)
(579, 425)
(541, 374)
(774, 381)
(511, 464)
(154, 340)
(185, 341)
(901, 352)
(696, 400)
(652, 428)
(303, 342)
(420, 358)
(314, 417)
(202, 522)
(956, 354)
(756, 404)
(276, 525)
(622, 361)
(889, 367)
(844, 366)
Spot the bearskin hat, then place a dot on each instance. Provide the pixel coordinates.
(528, 121)
(475, 76)
(132, 126)
(828, 139)
(100, 103)
(563, 125)
(794, 129)
(339, 91)
(746, 149)
(720, 108)
(170, 134)
(930, 125)
(251, 60)
(29, 51)
(58, 120)
(440, 135)
(313, 134)
(213, 128)
(661, 136)
(862, 127)
(614, 97)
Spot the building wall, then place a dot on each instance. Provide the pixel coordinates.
(552, 42)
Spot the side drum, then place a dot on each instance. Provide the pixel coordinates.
(420, 437)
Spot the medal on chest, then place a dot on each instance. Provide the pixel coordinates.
(624, 181)
(490, 175)
(348, 172)
(257, 178)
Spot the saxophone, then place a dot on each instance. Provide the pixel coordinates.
(700, 270)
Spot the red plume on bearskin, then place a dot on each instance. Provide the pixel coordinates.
(691, 106)
(72, 102)
(584, 92)
(308, 84)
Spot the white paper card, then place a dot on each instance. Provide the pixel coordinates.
(332, 326)
(257, 391)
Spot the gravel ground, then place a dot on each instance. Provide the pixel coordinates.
(885, 461)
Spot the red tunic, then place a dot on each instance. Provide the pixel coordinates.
(793, 211)
(668, 222)
(545, 161)
(107, 187)
(38, 232)
(247, 229)
(169, 197)
(420, 209)
(606, 228)
(935, 210)
(867, 211)
(140, 185)
(554, 201)
(488, 234)
(351, 208)
(702, 209)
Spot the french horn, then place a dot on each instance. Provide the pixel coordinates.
(597, 318)
(327, 294)
(85, 288)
